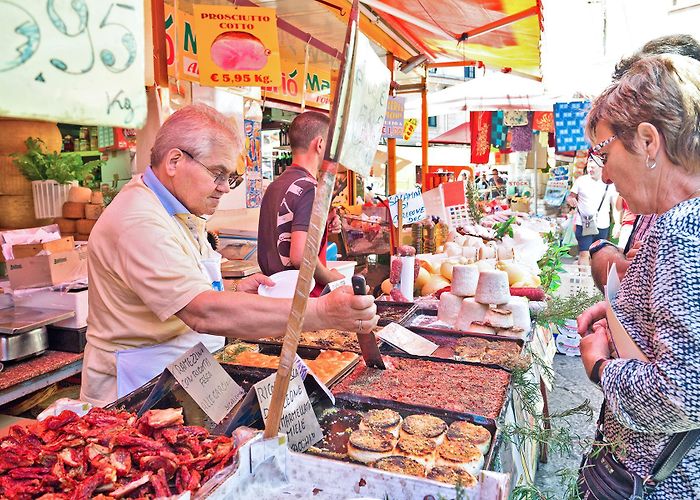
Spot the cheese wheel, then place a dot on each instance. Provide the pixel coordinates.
(464, 280)
(499, 318)
(78, 194)
(504, 251)
(93, 211)
(449, 307)
(470, 312)
(493, 288)
(66, 226)
(487, 252)
(520, 308)
(73, 210)
(453, 249)
(97, 198)
(85, 225)
(81, 237)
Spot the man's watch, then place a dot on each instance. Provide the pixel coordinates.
(595, 371)
(602, 244)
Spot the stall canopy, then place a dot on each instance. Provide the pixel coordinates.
(461, 134)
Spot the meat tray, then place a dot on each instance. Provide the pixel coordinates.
(392, 312)
(336, 419)
(446, 349)
(409, 319)
(367, 380)
(303, 344)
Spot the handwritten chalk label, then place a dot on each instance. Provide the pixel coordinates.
(364, 104)
(206, 382)
(404, 339)
(413, 207)
(298, 417)
(304, 369)
(76, 62)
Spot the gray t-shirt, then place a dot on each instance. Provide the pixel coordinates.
(286, 207)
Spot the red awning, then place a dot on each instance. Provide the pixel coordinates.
(458, 135)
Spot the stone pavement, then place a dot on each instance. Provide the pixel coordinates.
(571, 388)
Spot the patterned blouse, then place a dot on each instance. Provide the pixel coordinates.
(659, 306)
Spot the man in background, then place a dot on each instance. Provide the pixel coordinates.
(286, 207)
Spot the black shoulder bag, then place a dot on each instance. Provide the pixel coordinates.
(604, 477)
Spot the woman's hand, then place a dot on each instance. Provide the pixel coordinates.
(343, 310)
(594, 347)
(588, 317)
(251, 283)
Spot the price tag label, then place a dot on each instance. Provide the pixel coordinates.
(298, 417)
(413, 207)
(404, 339)
(206, 382)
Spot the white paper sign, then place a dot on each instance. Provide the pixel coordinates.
(404, 339)
(305, 370)
(366, 108)
(76, 62)
(206, 382)
(298, 417)
(413, 207)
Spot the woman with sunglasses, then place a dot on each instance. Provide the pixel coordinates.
(592, 201)
(647, 133)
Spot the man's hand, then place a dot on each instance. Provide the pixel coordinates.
(633, 251)
(333, 222)
(251, 283)
(343, 310)
(588, 317)
(335, 275)
(572, 201)
(594, 347)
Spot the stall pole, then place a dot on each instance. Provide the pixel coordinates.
(391, 142)
(160, 59)
(536, 187)
(424, 133)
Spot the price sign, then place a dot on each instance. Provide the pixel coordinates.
(413, 207)
(77, 62)
(298, 417)
(237, 46)
(206, 382)
(394, 121)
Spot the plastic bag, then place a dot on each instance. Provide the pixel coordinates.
(569, 236)
(80, 408)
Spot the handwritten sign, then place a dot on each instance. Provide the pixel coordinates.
(77, 62)
(298, 417)
(409, 126)
(393, 122)
(364, 104)
(206, 382)
(404, 339)
(237, 46)
(413, 207)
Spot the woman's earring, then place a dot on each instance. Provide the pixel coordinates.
(651, 165)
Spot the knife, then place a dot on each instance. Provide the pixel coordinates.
(367, 341)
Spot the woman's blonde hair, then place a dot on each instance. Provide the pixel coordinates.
(198, 129)
(663, 90)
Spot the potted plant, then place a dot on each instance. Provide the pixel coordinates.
(52, 175)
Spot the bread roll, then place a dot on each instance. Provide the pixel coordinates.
(73, 210)
(78, 194)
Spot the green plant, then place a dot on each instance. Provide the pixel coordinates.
(503, 228)
(559, 309)
(472, 194)
(550, 264)
(39, 165)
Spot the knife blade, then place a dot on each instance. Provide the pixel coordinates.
(368, 342)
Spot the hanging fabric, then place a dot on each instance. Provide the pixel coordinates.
(515, 118)
(480, 124)
(543, 121)
(499, 131)
(522, 136)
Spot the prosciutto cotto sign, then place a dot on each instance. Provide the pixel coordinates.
(237, 46)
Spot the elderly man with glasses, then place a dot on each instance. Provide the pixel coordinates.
(155, 282)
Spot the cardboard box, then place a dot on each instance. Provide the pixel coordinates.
(48, 270)
(64, 244)
(65, 301)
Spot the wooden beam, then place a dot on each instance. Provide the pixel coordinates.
(424, 134)
(160, 58)
(391, 143)
(455, 64)
(501, 23)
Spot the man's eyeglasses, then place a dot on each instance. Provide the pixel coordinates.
(600, 159)
(219, 179)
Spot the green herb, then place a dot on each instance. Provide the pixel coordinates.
(559, 309)
(503, 228)
(39, 165)
(472, 194)
(550, 265)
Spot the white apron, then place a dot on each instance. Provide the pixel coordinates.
(137, 366)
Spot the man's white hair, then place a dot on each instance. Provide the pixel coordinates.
(198, 129)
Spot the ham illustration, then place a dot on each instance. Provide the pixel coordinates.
(236, 50)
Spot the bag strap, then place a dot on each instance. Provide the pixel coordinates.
(603, 198)
(672, 454)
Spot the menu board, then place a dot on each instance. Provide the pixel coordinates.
(77, 62)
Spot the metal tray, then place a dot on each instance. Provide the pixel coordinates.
(384, 305)
(276, 342)
(16, 320)
(446, 350)
(323, 413)
(408, 319)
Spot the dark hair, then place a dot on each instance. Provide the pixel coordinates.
(684, 45)
(306, 127)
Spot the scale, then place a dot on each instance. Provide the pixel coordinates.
(23, 331)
